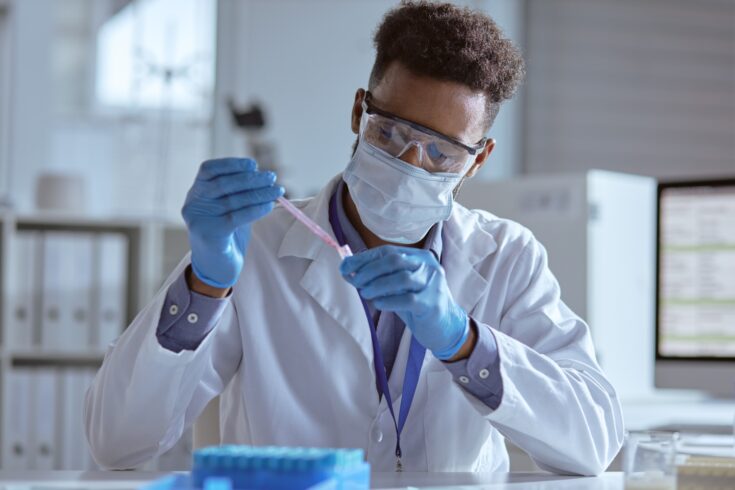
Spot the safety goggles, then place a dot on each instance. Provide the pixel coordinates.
(394, 135)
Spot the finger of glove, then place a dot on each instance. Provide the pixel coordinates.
(247, 215)
(401, 282)
(254, 197)
(397, 303)
(383, 266)
(353, 264)
(234, 183)
(225, 166)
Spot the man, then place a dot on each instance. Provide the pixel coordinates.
(442, 335)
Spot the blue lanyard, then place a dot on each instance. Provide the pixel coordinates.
(415, 354)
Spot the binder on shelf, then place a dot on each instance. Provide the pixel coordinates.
(111, 266)
(66, 291)
(53, 285)
(78, 319)
(74, 450)
(24, 292)
(87, 377)
(17, 402)
(44, 419)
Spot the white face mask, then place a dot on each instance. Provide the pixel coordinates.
(396, 200)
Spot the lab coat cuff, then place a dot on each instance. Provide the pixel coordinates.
(480, 373)
(187, 317)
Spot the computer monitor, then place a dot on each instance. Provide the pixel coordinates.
(695, 293)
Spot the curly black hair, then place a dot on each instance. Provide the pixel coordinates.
(451, 43)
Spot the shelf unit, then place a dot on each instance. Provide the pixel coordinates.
(154, 247)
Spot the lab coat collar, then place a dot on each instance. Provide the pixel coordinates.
(471, 242)
(299, 241)
(322, 280)
(466, 244)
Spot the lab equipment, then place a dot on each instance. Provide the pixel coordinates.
(234, 467)
(342, 250)
(649, 460)
(61, 192)
(411, 283)
(695, 307)
(599, 229)
(227, 195)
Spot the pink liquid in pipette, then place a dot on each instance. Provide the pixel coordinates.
(344, 251)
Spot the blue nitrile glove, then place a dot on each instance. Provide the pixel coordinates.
(411, 283)
(228, 194)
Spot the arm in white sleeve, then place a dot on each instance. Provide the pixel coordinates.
(556, 403)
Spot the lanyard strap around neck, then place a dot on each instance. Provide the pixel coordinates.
(415, 355)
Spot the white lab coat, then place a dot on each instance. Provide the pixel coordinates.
(292, 358)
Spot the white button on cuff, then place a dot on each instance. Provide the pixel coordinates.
(484, 373)
(173, 309)
(192, 318)
(464, 379)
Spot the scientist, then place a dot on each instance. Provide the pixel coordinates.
(443, 335)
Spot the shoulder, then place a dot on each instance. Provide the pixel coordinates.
(475, 227)
(518, 262)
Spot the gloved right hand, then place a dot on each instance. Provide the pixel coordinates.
(227, 195)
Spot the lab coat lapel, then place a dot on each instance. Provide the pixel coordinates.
(339, 299)
(322, 280)
(465, 244)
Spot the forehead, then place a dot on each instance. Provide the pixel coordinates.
(450, 108)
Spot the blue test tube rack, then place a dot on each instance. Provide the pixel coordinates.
(235, 467)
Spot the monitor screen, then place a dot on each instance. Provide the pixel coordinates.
(695, 313)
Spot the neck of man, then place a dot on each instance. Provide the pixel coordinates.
(371, 239)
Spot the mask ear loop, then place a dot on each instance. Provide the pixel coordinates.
(363, 122)
(455, 191)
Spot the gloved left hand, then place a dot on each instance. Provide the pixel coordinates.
(411, 283)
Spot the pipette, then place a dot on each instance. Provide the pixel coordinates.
(343, 251)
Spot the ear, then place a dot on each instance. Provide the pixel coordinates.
(481, 158)
(357, 110)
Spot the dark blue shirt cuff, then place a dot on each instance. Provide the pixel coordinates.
(479, 374)
(187, 317)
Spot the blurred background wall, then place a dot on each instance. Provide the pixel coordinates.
(642, 87)
(132, 95)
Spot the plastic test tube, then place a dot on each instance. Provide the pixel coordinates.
(343, 251)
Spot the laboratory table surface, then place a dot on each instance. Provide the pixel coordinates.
(128, 480)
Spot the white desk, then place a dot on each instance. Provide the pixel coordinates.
(128, 480)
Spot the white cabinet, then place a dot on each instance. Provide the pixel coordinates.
(599, 229)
